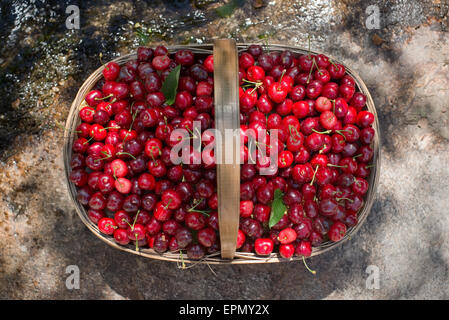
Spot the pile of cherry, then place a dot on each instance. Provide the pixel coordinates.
(131, 189)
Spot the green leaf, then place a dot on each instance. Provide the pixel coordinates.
(170, 85)
(278, 208)
(143, 37)
(227, 9)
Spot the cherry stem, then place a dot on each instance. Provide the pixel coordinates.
(290, 127)
(311, 69)
(169, 201)
(104, 98)
(322, 132)
(282, 75)
(371, 166)
(253, 82)
(101, 60)
(206, 213)
(322, 149)
(314, 174)
(255, 88)
(356, 156)
(88, 140)
(316, 65)
(336, 67)
(336, 166)
(115, 177)
(192, 133)
(111, 226)
(127, 222)
(187, 138)
(107, 157)
(195, 205)
(342, 198)
(263, 144)
(339, 132)
(129, 154)
(135, 218)
(126, 136)
(198, 130)
(157, 147)
(117, 127)
(307, 267)
(134, 118)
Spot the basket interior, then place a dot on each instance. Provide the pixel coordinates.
(240, 257)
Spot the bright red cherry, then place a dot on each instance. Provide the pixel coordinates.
(263, 246)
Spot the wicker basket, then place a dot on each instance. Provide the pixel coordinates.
(73, 121)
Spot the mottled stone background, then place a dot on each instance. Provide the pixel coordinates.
(405, 64)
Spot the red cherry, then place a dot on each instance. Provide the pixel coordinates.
(304, 249)
(107, 226)
(111, 71)
(263, 246)
(136, 232)
(87, 114)
(119, 168)
(93, 98)
(209, 63)
(323, 104)
(240, 239)
(328, 120)
(365, 118)
(337, 231)
(246, 60)
(255, 73)
(172, 199)
(121, 236)
(246, 208)
(286, 250)
(277, 92)
(123, 185)
(285, 159)
(287, 236)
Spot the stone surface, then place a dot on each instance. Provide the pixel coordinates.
(404, 64)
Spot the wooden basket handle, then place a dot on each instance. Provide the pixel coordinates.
(227, 116)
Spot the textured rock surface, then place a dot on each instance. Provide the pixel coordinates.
(404, 64)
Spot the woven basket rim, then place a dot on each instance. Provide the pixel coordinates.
(240, 257)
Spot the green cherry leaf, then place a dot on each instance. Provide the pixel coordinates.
(278, 208)
(170, 85)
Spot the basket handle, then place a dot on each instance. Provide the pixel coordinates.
(227, 116)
